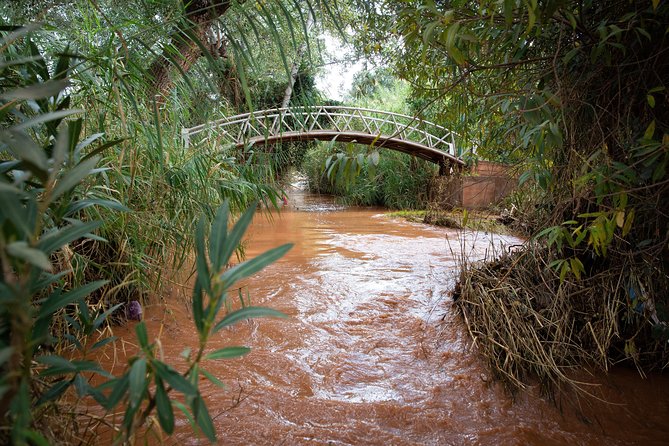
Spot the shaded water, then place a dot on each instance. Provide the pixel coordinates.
(373, 352)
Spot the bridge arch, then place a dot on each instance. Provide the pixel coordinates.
(381, 129)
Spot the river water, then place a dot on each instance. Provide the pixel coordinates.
(373, 352)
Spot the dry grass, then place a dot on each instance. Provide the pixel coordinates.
(528, 324)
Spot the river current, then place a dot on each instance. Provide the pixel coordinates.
(374, 352)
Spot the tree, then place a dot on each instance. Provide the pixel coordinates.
(190, 37)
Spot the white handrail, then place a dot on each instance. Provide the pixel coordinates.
(342, 118)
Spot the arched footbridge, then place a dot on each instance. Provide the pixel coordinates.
(380, 129)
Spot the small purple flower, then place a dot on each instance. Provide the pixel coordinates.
(134, 311)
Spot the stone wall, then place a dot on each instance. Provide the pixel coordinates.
(486, 185)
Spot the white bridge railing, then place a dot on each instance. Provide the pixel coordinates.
(272, 124)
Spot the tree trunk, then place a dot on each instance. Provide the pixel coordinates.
(296, 64)
(188, 37)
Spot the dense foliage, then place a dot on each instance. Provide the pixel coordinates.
(385, 178)
(102, 199)
(575, 91)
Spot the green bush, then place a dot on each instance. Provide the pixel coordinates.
(369, 178)
(49, 189)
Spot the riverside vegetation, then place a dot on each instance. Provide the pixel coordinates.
(91, 104)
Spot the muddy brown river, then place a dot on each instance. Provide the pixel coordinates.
(373, 352)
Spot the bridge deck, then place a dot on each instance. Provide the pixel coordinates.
(380, 141)
(381, 129)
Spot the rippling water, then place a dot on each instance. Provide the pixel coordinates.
(374, 353)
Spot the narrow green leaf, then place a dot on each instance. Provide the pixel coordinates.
(36, 438)
(650, 130)
(203, 274)
(81, 385)
(203, 418)
(101, 318)
(37, 91)
(11, 208)
(198, 310)
(21, 250)
(252, 266)
(120, 387)
(142, 335)
(102, 148)
(164, 406)
(56, 361)
(46, 117)
(25, 149)
(174, 378)
(20, 32)
(137, 381)
(228, 352)
(62, 236)
(217, 382)
(651, 100)
(247, 313)
(52, 304)
(218, 236)
(77, 206)
(508, 11)
(74, 176)
(55, 391)
(236, 234)
(182, 407)
(102, 342)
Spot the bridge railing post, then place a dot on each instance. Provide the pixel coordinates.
(185, 137)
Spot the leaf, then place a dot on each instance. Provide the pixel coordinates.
(142, 335)
(182, 407)
(650, 131)
(620, 218)
(203, 419)
(374, 157)
(174, 378)
(61, 366)
(203, 274)
(576, 267)
(217, 382)
(236, 234)
(40, 90)
(121, 385)
(35, 257)
(247, 313)
(55, 391)
(227, 353)
(627, 227)
(73, 177)
(102, 148)
(508, 12)
(53, 304)
(46, 117)
(651, 100)
(102, 342)
(218, 235)
(81, 385)
(25, 149)
(101, 318)
(252, 266)
(137, 381)
(77, 206)
(164, 406)
(60, 237)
